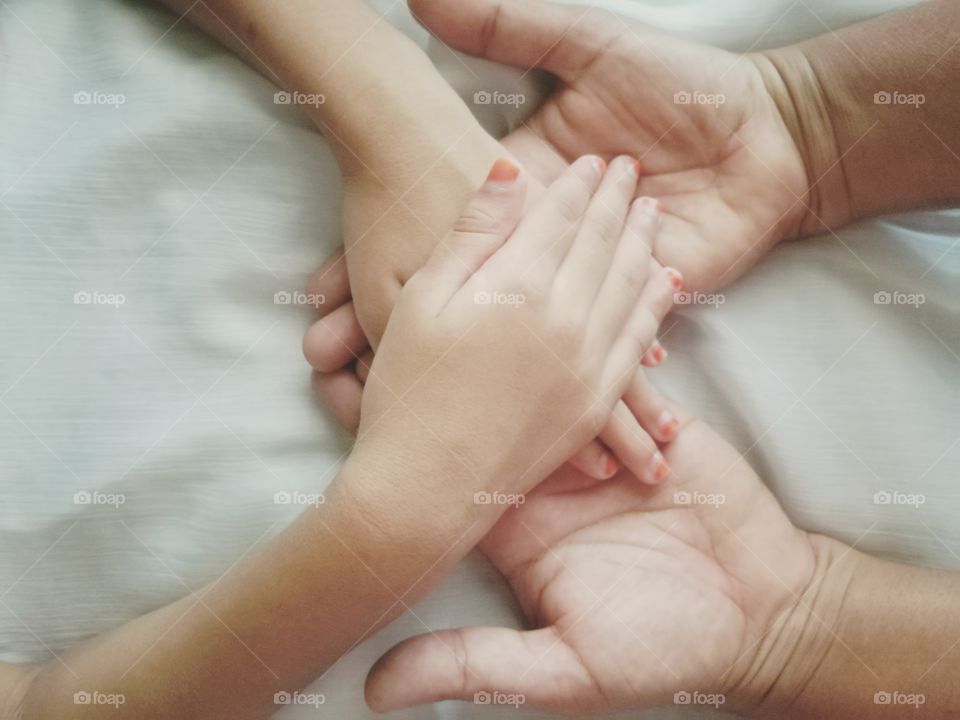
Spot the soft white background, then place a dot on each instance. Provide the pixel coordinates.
(199, 198)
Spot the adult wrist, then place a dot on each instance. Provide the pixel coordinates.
(803, 638)
(809, 115)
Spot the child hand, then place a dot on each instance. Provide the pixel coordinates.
(508, 350)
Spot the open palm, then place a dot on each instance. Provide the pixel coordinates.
(635, 594)
(714, 146)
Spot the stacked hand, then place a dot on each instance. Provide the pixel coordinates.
(536, 325)
(635, 592)
(715, 151)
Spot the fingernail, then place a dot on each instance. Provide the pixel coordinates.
(657, 353)
(661, 353)
(676, 279)
(599, 164)
(649, 206)
(667, 424)
(636, 169)
(503, 173)
(611, 466)
(658, 468)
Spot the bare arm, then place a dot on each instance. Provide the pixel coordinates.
(279, 618)
(873, 108)
(875, 639)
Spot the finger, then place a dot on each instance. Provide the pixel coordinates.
(634, 447)
(563, 40)
(335, 340)
(655, 413)
(330, 283)
(655, 302)
(457, 664)
(654, 356)
(587, 263)
(341, 392)
(546, 232)
(596, 461)
(482, 228)
(363, 366)
(627, 276)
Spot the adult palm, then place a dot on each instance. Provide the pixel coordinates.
(713, 142)
(635, 594)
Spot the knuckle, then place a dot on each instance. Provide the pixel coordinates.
(569, 208)
(476, 218)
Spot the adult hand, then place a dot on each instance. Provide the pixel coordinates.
(709, 126)
(702, 586)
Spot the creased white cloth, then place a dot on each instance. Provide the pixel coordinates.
(197, 198)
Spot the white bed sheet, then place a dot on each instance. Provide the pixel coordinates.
(198, 199)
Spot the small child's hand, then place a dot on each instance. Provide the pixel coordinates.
(508, 350)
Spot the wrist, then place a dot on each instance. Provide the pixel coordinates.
(803, 638)
(407, 486)
(808, 114)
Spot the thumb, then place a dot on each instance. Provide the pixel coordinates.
(486, 665)
(560, 38)
(482, 228)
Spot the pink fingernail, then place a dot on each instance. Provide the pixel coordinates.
(636, 169)
(658, 468)
(599, 164)
(658, 352)
(667, 424)
(503, 173)
(675, 278)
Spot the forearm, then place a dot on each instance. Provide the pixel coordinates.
(880, 640)
(275, 621)
(866, 156)
(378, 87)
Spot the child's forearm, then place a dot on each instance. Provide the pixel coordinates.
(366, 84)
(281, 616)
